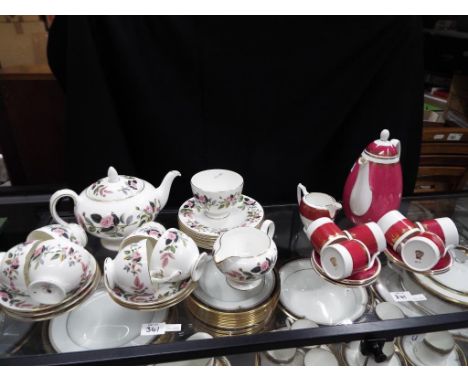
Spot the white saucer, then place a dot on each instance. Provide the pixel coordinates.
(248, 213)
(305, 294)
(409, 342)
(351, 353)
(456, 277)
(298, 360)
(100, 323)
(213, 290)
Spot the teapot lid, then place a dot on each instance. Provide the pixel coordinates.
(115, 187)
(383, 147)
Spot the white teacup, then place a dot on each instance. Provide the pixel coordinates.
(281, 355)
(73, 232)
(129, 269)
(150, 230)
(175, 258)
(57, 267)
(14, 265)
(320, 357)
(435, 348)
(217, 191)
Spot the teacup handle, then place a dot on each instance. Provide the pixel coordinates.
(54, 200)
(372, 259)
(155, 278)
(199, 266)
(268, 227)
(301, 191)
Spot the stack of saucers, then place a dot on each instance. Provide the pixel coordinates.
(223, 310)
(217, 206)
(51, 273)
(176, 266)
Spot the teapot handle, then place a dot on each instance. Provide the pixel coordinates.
(54, 200)
(268, 227)
(301, 191)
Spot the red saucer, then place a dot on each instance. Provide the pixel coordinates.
(362, 278)
(442, 266)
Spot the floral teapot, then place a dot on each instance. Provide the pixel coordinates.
(115, 206)
(374, 185)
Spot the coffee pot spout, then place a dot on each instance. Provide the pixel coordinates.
(162, 192)
(361, 195)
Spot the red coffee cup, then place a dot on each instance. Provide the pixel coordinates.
(396, 228)
(445, 228)
(370, 234)
(323, 232)
(423, 251)
(341, 260)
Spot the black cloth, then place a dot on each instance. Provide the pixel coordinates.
(279, 99)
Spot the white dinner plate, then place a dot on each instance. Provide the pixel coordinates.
(214, 291)
(305, 294)
(101, 323)
(408, 344)
(456, 278)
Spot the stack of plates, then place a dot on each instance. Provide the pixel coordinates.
(306, 294)
(100, 323)
(24, 308)
(204, 230)
(223, 310)
(168, 295)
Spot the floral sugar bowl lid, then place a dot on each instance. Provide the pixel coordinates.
(115, 187)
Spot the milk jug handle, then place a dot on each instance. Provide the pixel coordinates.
(301, 191)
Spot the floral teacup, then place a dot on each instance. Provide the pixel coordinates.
(57, 268)
(245, 254)
(176, 257)
(13, 267)
(73, 232)
(151, 231)
(129, 269)
(217, 192)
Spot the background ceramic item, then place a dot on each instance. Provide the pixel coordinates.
(388, 311)
(455, 279)
(435, 348)
(303, 323)
(315, 205)
(14, 267)
(214, 291)
(57, 267)
(193, 362)
(396, 228)
(100, 323)
(374, 184)
(151, 231)
(320, 357)
(370, 234)
(305, 294)
(437, 289)
(422, 251)
(445, 228)
(353, 357)
(281, 355)
(217, 191)
(323, 232)
(129, 269)
(263, 360)
(71, 231)
(246, 254)
(116, 205)
(175, 258)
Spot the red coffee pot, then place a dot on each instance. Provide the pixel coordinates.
(374, 184)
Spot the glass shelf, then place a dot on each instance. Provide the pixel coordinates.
(25, 344)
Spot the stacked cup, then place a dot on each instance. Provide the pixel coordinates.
(421, 245)
(48, 272)
(345, 253)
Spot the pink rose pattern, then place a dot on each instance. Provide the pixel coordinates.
(134, 265)
(253, 218)
(260, 269)
(115, 226)
(102, 190)
(147, 297)
(173, 239)
(205, 201)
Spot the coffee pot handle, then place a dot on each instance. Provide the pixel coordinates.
(268, 227)
(54, 200)
(301, 191)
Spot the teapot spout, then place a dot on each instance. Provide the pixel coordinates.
(162, 192)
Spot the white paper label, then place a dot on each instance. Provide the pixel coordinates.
(454, 137)
(156, 329)
(439, 137)
(407, 296)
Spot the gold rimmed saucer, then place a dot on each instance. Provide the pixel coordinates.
(395, 258)
(163, 303)
(368, 276)
(61, 308)
(237, 321)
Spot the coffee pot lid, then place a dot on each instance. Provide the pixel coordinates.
(383, 147)
(115, 187)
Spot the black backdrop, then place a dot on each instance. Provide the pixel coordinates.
(279, 99)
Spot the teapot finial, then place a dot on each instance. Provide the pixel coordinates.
(384, 135)
(113, 175)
